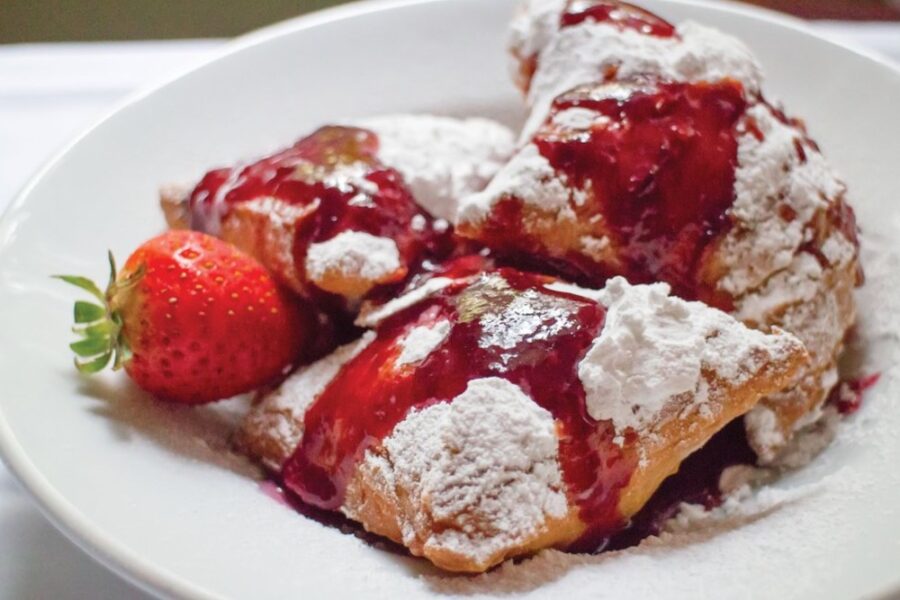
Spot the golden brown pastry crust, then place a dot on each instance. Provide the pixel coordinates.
(821, 323)
(265, 229)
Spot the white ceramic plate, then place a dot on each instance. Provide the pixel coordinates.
(148, 489)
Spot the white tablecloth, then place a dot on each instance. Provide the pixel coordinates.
(48, 93)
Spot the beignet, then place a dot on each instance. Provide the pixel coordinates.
(494, 414)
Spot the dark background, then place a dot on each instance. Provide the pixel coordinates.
(65, 20)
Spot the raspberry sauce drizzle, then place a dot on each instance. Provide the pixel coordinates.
(660, 163)
(619, 14)
(335, 174)
(504, 324)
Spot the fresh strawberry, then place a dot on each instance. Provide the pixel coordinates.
(191, 318)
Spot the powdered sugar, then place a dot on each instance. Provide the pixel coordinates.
(282, 214)
(772, 181)
(533, 27)
(576, 290)
(579, 54)
(483, 466)
(418, 223)
(528, 177)
(374, 316)
(578, 119)
(441, 159)
(810, 440)
(648, 351)
(783, 187)
(421, 341)
(353, 254)
(653, 347)
(800, 281)
(743, 504)
(764, 430)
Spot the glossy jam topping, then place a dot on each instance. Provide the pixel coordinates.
(504, 324)
(620, 14)
(335, 174)
(659, 165)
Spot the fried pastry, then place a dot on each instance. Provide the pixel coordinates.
(651, 153)
(351, 207)
(557, 45)
(488, 415)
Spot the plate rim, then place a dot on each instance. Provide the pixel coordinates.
(103, 547)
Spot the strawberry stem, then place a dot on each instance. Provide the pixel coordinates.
(99, 325)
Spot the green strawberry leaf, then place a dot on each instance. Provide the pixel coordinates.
(91, 346)
(100, 327)
(112, 267)
(87, 312)
(94, 365)
(83, 283)
(105, 328)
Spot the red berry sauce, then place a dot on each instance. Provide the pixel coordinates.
(487, 339)
(847, 396)
(335, 172)
(619, 14)
(658, 165)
